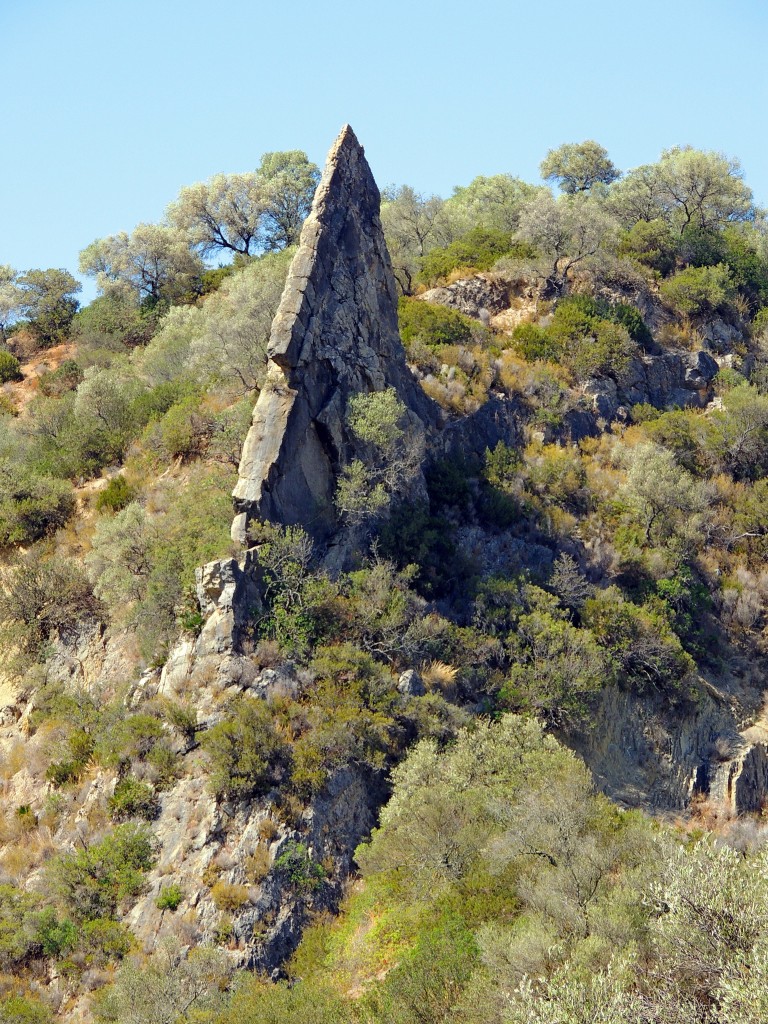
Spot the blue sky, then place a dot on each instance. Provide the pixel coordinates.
(110, 106)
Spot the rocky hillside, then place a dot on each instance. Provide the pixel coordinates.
(516, 492)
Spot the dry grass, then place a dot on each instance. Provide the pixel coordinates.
(437, 675)
(258, 864)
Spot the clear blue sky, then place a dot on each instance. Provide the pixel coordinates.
(110, 106)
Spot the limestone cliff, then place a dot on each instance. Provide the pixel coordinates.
(335, 335)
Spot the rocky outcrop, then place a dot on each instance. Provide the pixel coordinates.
(228, 595)
(335, 335)
(481, 296)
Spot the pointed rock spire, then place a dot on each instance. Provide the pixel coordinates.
(335, 334)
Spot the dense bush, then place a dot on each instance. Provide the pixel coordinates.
(479, 249)
(432, 325)
(10, 367)
(698, 291)
(65, 377)
(133, 799)
(97, 881)
(32, 506)
(245, 753)
(115, 496)
(41, 597)
(652, 244)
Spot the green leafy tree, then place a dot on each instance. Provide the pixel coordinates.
(579, 166)
(49, 303)
(288, 182)
(153, 264)
(565, 232)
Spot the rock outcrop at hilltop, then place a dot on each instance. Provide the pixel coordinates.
(335, 335)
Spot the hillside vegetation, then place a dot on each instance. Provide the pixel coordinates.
(616, 550)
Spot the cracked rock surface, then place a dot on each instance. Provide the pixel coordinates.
(335, 335)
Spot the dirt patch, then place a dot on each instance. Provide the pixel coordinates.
(33, 368)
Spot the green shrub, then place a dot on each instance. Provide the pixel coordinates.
(631, 318)
(432, 325)
(244, 751)
(133, 799)
(43, 596)
(698, 291)
(116, 495)
(24, 1010)
(170, 897)
(302, 872)
(104, 941)
(10, 368)
(479, 249)
(96, 881)
(109, 320)
(31, 506)
(641, 641)
(760, 321)
(60, 773)
(64, 378)
(652, 244)
(534, 343)
(184, 429)
(57, 936)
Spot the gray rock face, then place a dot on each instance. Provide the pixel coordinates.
(227, 593)
(673, 378)
(410, 684)
(481, 296)
(335, 335)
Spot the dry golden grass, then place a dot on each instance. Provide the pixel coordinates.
(258, 864)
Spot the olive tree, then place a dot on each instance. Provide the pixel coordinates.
(413, 224)
(223, 213)
(288, 181)
(579, 166)
(245, 214)
(174, 986)
(492, 203)
(566, 232)
(48, 301)
(11, 298)
(687, 188)
(152, 264)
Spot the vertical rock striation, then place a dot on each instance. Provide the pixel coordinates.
(335, 334)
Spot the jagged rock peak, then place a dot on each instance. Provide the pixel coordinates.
(335, 334)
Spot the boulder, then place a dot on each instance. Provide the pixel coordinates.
(410, 684)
